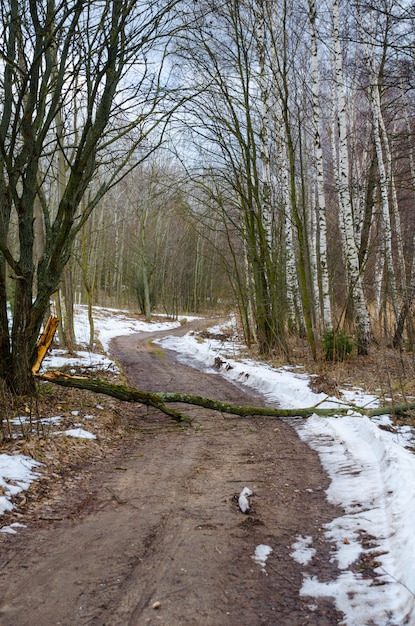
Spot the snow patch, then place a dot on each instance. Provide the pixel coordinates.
(261, 555)
(16, 474)
(80, 433)
(302, 552)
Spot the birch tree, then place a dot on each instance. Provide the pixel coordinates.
(321, 200)
(409, 286)
(385, 179)
(287, 94)
(355, 284)
(229, 120)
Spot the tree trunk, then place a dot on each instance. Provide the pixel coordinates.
(23, 339)
(357, 296)
(323, 262)
(88, 281)
(409, 288)
(5, 352)
(384, 184)
(146, 289)
(68, 311)
(159, 400)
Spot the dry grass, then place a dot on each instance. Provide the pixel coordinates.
(28, 427)
(64, 459)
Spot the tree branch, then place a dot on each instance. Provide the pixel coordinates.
(161, 399)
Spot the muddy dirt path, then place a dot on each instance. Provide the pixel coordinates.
(159, 538)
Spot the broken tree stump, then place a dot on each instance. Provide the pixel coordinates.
(44, 342)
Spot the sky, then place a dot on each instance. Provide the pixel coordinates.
(371, 470)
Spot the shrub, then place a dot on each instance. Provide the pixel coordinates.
(337, 345)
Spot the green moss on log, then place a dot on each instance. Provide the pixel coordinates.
(161, 399)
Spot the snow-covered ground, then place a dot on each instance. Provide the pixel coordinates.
(372, 473)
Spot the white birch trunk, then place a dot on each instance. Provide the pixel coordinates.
(280, 181)
(384, 184)
(361, 314)
(336, 168)
(264, 88)
(250, 289)
(293, 299)
(379, 134)
(409, 285)
(394, 205)
(359, 171)
(312, 214)
(325, 283)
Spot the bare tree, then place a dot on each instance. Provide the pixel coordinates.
(231, 126)
(82, 84)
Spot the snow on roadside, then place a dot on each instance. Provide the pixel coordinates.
(110, 323)
(16, 473)
(289, 388)
(11, 529)
(79, 433)
(58, 359)
(302, 550)
(372, 477)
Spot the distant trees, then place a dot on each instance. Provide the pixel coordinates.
(147, 246)
(228, 124)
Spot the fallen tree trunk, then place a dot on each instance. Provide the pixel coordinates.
(161, 399)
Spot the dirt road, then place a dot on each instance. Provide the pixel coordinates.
(157, 537)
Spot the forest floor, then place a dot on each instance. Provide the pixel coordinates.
(142, 526)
